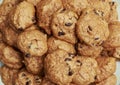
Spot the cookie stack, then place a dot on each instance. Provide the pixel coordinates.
(59, 42)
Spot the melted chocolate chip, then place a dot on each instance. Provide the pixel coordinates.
(67, 59)
(96, 38)
(27, 55)
(68, 24)
(70, 73)
(61, 33)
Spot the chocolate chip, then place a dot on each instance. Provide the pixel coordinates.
(95, 77)
(61, 33)
(67, 59)
(70, 73)
(96, 38)
(78, 61)
(27, 55)
(20, 29)
(89, 27)
(68, 24)
(28, 83)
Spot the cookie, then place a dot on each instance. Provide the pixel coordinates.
(112, 80)
(25, 78)
(32, 42)
(45, 81)
(63, 25)
(91, 51)
(22, 16)
(33, 65)
(45, 10)
(75, 5)
(107, 66)
(54, 44)
(7, 75)
(113, 15)
(59, 67)
(34, 2)
(92, 29)
(9, 36)
(114, 37)
(101, 8)
(10, 56)
(86, 70)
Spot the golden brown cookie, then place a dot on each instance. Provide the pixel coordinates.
(45, 10)
(86, 70)
(107, 66)
(63, 25)
(33, 65)
(7, 75)
(92, 29)
(114, 37)
(25, 78)
(22, 16)
(34, 2)
(9, 36)
(32, 42)
(91, 51)
(54, 44)
(59, 67)
(100, 7)
(75, 5)
(113, 16)
(10, 56)
(112, 80)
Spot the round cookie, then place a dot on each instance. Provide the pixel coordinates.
(101, 8)
(92, 29)
(87, 69)
(33, 65)
(9, 36)
(114, 37)
(45, 10)
(54, 44)
(34, 2)
(112, 80)
(32, 42)
(107, 66)
(7, 75)
(10, 56)
(75, 5)
(91, 51)
(59, 67)
(25, 78)
(63, 25)
(22, 16)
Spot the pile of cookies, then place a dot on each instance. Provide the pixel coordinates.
(59, 42)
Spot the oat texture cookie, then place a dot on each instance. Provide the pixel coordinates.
(32, 42)
(75, 5)
(10, 56)
(92, 29)
(7, 75)
(33, 65)
(63, 25)
(86, 70)
(22, 16)
(45, 10)
(109, 81)
(91, 51)
(107, 66)
(25, 78)
(59, 67)
(54, 44)
(114, 37)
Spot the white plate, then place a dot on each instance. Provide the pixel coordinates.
(118, 63)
